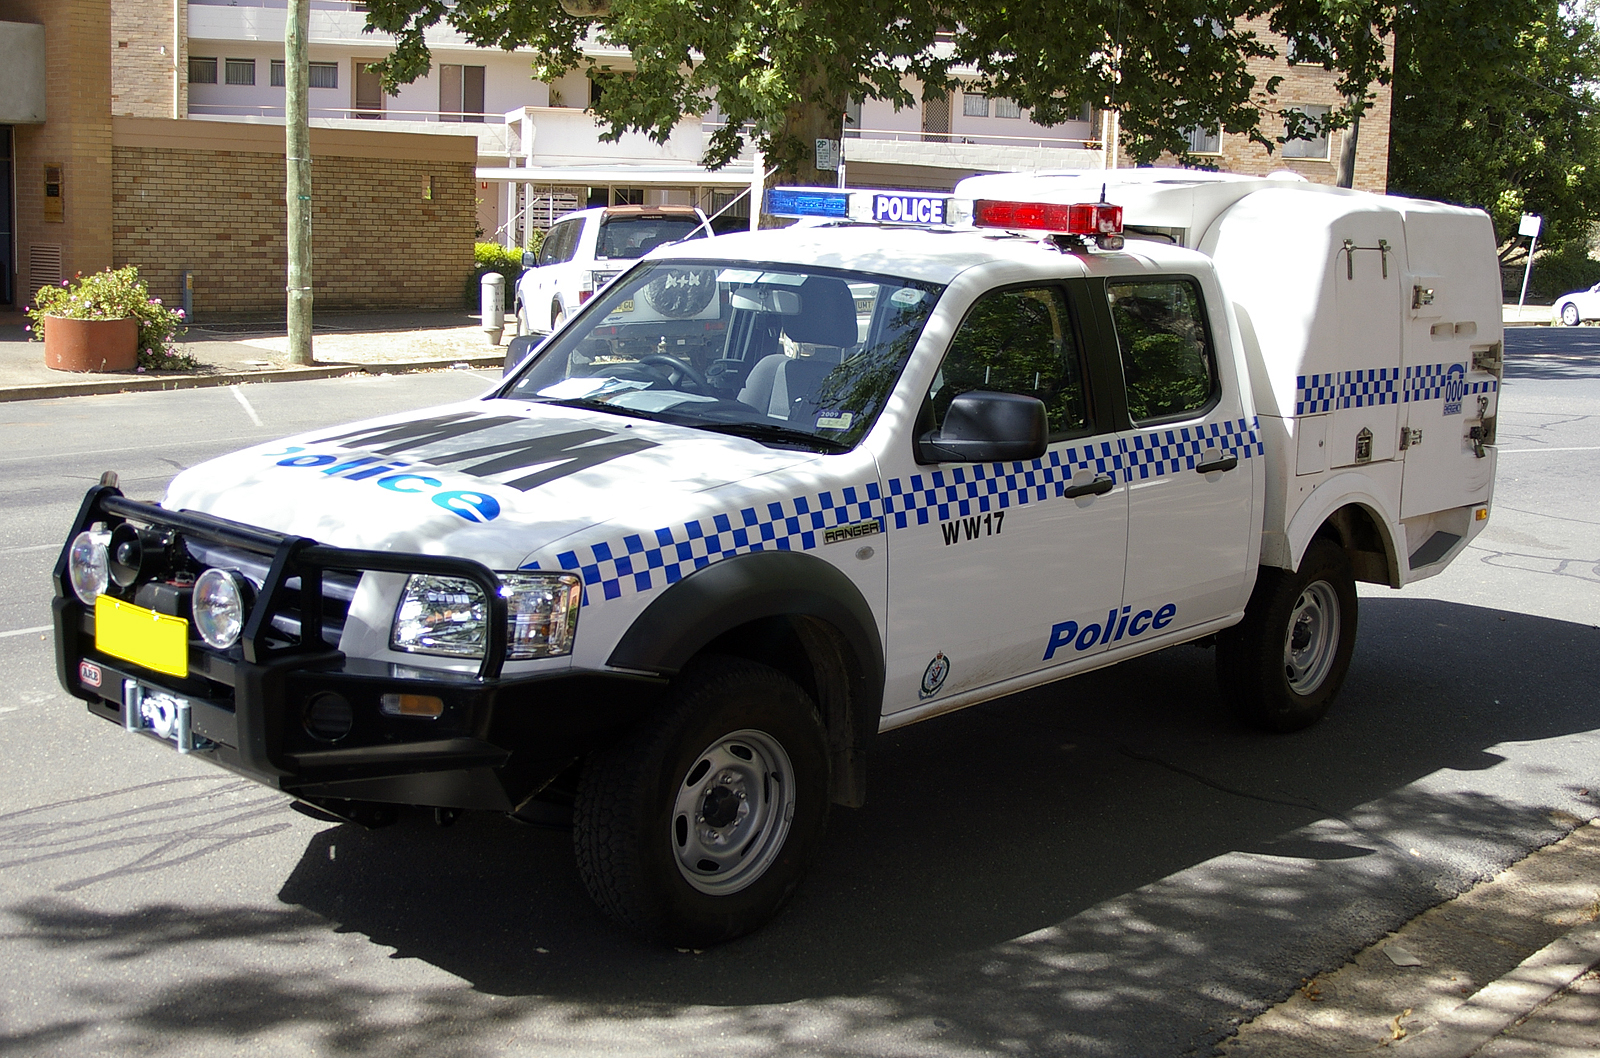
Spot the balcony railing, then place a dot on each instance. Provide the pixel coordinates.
(316, 5)
(275, 110)
(973, 138)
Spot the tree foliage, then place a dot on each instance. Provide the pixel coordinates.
(783, 71)
(1495, 106)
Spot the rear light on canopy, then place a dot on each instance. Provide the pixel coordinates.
(1080, 218)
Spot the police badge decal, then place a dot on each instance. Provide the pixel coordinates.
(933, 676)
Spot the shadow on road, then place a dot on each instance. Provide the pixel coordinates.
(1552, 352)
(1010, 878)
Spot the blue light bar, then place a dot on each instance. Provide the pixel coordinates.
(807, 202)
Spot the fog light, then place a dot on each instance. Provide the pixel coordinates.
(328, 717)
(411, 705)
(89, 566)
(221, 599)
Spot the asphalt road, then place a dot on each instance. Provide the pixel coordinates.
(1107, 866)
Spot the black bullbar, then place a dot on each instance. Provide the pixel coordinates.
(254, 708)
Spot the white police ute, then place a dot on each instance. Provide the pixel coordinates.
(678, 593)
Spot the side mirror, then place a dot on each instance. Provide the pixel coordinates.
(529, 259)
(984, 427)
(518, 349)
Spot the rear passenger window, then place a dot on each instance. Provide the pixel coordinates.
(560, 242)
(1017, 341)
(1168, 364)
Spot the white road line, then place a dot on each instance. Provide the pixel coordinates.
(30, 547)
(238, 395)
(1525, 451)
(24, 631)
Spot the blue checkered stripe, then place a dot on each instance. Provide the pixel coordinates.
(1426, 382)
(1314, 393)
(642, 562)
(1347, 389)
(965, 491)
(1152, 455)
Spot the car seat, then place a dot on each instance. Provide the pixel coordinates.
(787, 387)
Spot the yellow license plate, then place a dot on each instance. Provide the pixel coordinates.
(155, 640)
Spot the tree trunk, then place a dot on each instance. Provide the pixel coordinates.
(1347, 153)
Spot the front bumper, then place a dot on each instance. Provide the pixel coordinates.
(498, 740)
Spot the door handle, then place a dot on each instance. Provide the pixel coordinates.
(1097, 487)
(1225, 463)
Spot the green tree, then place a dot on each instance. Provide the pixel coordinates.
(784, 70)
(1494, 106)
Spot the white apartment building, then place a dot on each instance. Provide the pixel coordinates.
(539, 149)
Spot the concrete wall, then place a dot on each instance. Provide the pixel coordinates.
(149, 58)
(22, 92)
(76, 136)
(208, 197)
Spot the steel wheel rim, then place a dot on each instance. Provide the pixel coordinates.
(732, 812)
(1312, 640)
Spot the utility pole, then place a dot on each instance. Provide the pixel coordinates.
(297, 192)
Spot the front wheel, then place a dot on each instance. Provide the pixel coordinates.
(1570, 315)
(697, 826)
(1281, 667)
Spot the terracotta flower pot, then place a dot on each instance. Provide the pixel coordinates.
(91, 345)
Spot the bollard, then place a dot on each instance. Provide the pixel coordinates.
(493, 304)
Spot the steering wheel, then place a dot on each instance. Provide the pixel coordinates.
(677, 370)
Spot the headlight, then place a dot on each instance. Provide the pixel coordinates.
(446, 616)
(89, 565)
(220, 602)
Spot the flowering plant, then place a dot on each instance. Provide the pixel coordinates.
(116, 294)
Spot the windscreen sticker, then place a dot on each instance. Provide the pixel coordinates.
(907, 296)
(835, 420)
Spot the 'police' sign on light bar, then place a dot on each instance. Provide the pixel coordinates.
(900, 207)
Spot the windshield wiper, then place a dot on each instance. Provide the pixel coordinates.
(765, 431)
(601, 405)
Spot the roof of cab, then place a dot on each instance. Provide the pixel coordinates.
(930, 255)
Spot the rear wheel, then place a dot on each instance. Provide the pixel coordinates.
(558, 316)
(1570, 315)
(698, 826)
(1281, 667)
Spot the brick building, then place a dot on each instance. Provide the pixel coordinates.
(108, 171)
(1313, 90)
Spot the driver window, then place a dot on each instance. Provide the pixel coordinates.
(1017, 341)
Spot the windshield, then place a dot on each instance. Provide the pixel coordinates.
(630, 237)
(787, 355)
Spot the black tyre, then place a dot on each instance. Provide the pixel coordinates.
(1281, 667)
(1570, 315)
(698, 825)
(558, 316)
